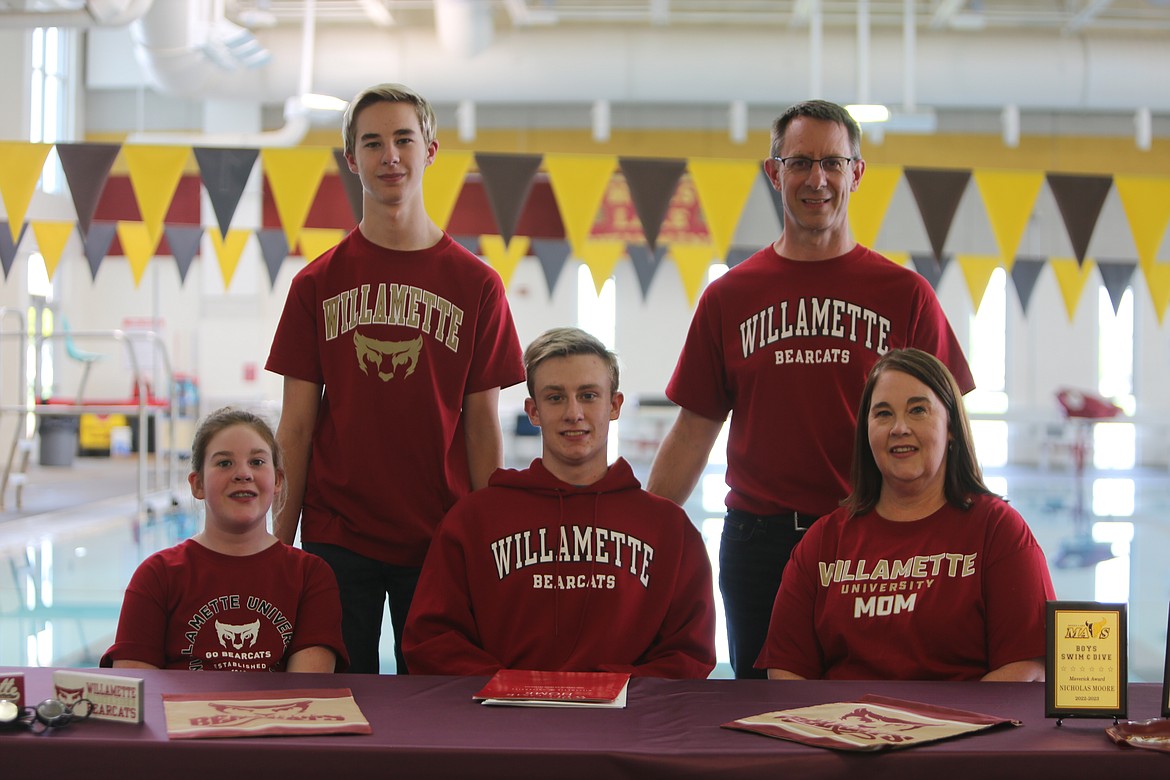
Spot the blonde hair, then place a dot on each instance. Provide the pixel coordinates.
(386, 93)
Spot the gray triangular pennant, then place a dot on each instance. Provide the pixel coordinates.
(86, 167)
(1025, 272)
(1115, 274)
(737, 254)
(8, 247)
(652, 184)
(470, 243)
(928, 267)
(645, 264)
(184, 243)
(274, 249)
(225, 174)
(507, 180)
(351, 182)
(97, 242)
(552, 253)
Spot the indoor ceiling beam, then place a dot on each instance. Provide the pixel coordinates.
(1086, 15)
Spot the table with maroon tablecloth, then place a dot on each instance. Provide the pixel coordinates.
(429, 727)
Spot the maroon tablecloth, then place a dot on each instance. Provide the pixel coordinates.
(429, 727)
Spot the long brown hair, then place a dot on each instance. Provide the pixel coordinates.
(963, 478)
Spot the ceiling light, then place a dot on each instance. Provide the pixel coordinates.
(862, 113)
(317, 102)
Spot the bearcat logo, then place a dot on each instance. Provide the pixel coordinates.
(864, 723)
(237, 636)
(401, 353)
(1090, 629)
(68, 696)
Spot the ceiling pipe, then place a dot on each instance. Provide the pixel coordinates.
(816, 51)
(94, 13)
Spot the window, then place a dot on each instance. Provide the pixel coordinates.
(987, 356)
(51, 117)
(1115, 443)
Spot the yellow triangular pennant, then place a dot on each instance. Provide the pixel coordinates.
(294, 176)
(1146, 201)
(1071, 276)
(977, 270)
(504, 258)
(20, 168)
(228, 250)
(579, 183)
(724, 187)
(442, 184)
(139, 244)
(317, 241)
(1009, 198)
(692, 261)
(868, 206)
(600, 257)
(901, 258)
(1158, 282)
(51, 238)
(155, 172)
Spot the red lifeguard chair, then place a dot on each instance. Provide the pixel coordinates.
(1082, 409)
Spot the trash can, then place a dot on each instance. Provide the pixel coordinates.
(58, 438)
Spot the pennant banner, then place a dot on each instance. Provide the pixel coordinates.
(868, 206)
(1158, 281)
(504, 257)
(578, 184)
(51, 238)
(1009, 197)
(937, 193)
(601, 257)
(1071, 275)
(225, 174)
(1025, 272)
(1116, 276)
(928, 267)
(1079, 199)
(552, 254)
(646, 262)
(139, 243)
(20, 168)
(274, 250)
(737, 254)
(442, 184)
(184, 243)
(692, 261)
(8, 246)
(317, 241)
(97, 243)
(86, 167)
(294, 175)
(1146, 201)
(154, 174)
(652, 184)
(227, 251)
(977, 271)
(352, 184)
(507, 180)
(723, 187)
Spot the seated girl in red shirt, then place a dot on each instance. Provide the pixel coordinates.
(232, 597)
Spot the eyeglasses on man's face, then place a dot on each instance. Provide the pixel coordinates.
(805, 164)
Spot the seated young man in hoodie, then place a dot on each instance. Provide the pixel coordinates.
(567, 565)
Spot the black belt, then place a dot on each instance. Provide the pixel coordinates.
(800, 521)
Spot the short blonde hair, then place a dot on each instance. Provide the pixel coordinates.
(562, 342)
(386, 93)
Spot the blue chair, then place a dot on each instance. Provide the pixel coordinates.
(80, 355)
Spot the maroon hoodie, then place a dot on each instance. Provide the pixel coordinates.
(534, 573)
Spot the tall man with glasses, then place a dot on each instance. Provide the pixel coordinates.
(783, 343)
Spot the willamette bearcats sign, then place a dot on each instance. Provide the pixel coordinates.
(113, 698)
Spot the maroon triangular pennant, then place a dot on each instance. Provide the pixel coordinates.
(351, 182)
(937, 193)
(86, 167)
(507, 180)
(652, 184)
(183, 241)
(1025, 272)
(225, 174)
(1080, 200)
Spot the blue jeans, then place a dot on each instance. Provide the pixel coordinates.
(752, 553)
(365, 585)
